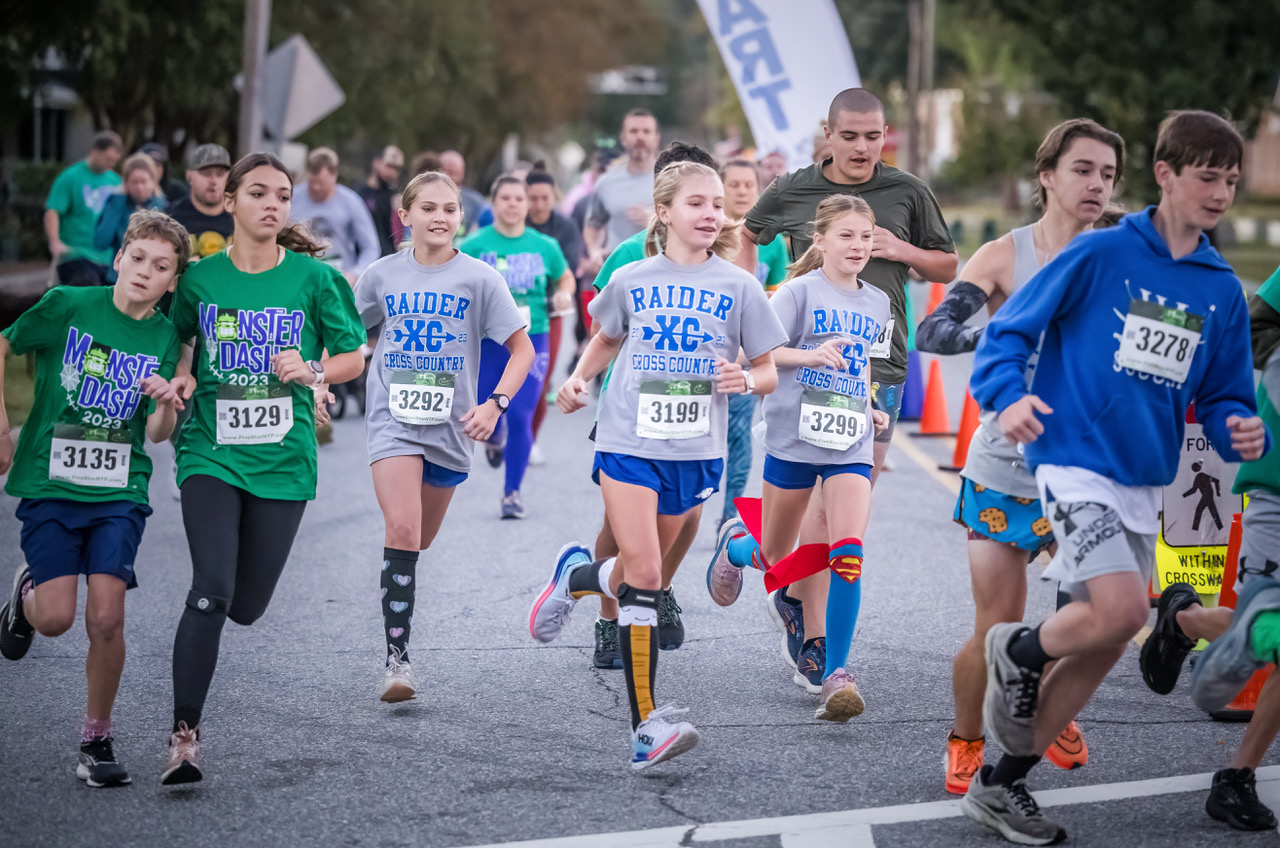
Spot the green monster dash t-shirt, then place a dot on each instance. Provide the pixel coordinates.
(78, 195)
(84, 438)
(529, 263)
(903, 205)
(247, 428)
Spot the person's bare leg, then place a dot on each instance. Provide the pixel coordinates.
(607, 546)
(1208, 623)
(812, 591)
(673, 555)
(1262, 728)
(998, 573)
(1068, 687)
(104, 622)
(51, 607)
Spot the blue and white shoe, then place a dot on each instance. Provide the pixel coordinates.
(810, 666)
(788, 614)
(550, 612)
(656, 739)
(724, 579)
(1229, 662)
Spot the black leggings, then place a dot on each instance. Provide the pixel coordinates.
(239, 544)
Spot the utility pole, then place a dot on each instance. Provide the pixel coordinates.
(915, 56)
(257, 25)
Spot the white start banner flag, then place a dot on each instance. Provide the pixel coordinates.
(788, 59)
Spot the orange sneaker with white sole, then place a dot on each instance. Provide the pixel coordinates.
(1069, 750)
(964, 758)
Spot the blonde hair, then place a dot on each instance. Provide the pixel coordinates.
(829, 211)
(666, 185)
(150, 224)
(415, 187)
(139, 162)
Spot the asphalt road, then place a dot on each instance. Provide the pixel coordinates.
(509, 740)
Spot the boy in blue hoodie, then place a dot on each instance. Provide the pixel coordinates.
(1138, 321)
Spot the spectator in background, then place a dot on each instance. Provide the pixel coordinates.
(546, 219)
(379, 193)
(473, 202)
(71, 212)
(203, 209)
(140, 176)
(771, 166)
(171, 190)
(624, 196)
(337, 215)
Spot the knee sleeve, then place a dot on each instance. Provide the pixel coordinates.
(637, 606)
(206, 603)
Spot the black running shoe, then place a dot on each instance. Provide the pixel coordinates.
(1234, 800)
(98, 766)
(608, 653)
(810, 665)
(1167, 647)
(670, 627)
(16, 632)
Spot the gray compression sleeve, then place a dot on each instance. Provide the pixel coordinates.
(944, 331)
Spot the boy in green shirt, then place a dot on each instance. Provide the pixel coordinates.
(104, 358)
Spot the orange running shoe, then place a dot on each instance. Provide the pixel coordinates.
(1068, 751)
(964, 758)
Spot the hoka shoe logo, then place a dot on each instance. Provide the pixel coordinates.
(646, 739)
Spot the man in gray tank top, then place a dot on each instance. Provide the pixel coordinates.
(1077, 166)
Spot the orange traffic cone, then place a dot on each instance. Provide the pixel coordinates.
(937, 291)
(1241, 707)
(933, 418)
(968, 424)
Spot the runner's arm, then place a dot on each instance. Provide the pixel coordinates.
(52, 232)
(934, 266)
(164, 418)
(479, 421)
(944, 330)
(748, 257)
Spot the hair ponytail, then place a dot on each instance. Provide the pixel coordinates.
(297, 238)
(828, 212)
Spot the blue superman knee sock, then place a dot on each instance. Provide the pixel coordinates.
(843, 600)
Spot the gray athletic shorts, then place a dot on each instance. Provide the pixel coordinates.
(1093, 542)
(1261, 539)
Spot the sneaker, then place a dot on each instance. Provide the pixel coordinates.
(964, 758)
(608, 652)
(397, 681)
(724, 579)
(513, 506)
(1069, 750)
(1009, 706)
(493, 454)
(550, 612)
(1009, 811)
(175, 491)
(1228, 663)
(1167, 647)
(656, 739)
(840, 698)
(1234, 800)
(788, 614)
(670, 627)
(184, 757)
(16, 632)
(535, 455)
(98, 766)
(810, 665)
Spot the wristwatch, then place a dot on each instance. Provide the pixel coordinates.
(318, 367)
(751, 383)
(502, 401)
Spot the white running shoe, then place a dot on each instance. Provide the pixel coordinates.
(536, 458)
(656, 739)
(397, 681)
(550, 612)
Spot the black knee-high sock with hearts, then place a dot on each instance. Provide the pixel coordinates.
(399, 570)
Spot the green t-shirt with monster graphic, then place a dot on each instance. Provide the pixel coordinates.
(84, 438)
(247, 428)
(529, 263)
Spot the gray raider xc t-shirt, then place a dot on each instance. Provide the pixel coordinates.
(821, 415)
(674, 321)
(616, 192)
(429, 321)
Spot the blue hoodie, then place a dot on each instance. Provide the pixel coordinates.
(1123, 424)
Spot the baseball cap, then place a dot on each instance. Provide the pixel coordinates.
(207, 156)
(156, 151)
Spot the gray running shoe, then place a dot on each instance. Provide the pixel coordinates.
(513, 506)
(724, 579)
(1010, 811)
(551, 610)
(1229, 662)
(1013, 692)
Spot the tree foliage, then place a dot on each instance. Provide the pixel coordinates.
(1127, 64)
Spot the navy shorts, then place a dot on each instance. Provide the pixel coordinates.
(441, 477)
(681, 484)
(786, 474)
(61, 538)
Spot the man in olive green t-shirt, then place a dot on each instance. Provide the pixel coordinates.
(71, 211)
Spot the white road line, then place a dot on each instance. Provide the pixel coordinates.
(852, 828)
